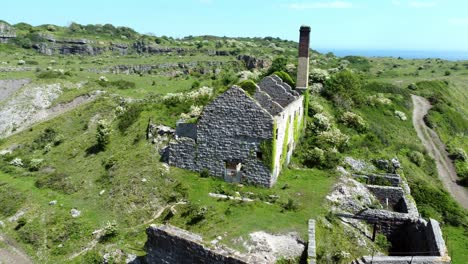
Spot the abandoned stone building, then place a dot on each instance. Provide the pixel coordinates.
(244, 137)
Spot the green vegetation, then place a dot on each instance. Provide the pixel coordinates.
(249, 86)
(109, 172)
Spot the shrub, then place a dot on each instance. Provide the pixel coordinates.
(109, 231)
(103, 133)
(291, 205)
(344, 89)
(355, 121)
(129, 117)
(382, 241)
(249, 86)
(314, 157)
(60, 182)
(413, 86)
(458, 154)
(321, 122)
(278, 64)
(416, 157)
(11, 200)
(35, 164)
(447, 73)
(205, 173)
(285, 77)
(332, 138)
(318, 76)
(314, 108)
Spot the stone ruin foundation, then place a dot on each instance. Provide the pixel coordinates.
(413, 239)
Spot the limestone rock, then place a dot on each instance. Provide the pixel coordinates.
(75, 213)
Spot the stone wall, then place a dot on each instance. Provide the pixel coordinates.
(188, 130)
(394, 196)
(230, 129)
(168, 244)
(311, 249)
(393, 179)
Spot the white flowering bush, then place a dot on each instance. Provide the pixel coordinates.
(195, 111)
(319, 75)
(103, 79)
(353, 120)
(315, 108)
(21, 62)
(17, 162)
(192, 95)
(316, 87)
(378, 99)
(321, 122)
(35, 164)
(401, 115)
(332, 138)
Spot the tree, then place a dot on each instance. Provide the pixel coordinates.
(344, 89)
(278, 64)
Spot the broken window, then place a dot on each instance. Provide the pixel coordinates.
(259, 155)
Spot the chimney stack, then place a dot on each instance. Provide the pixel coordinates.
(303, 63)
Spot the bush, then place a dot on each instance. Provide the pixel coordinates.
(249, 86)
(458, 154)
(205, 173)
(278, 64)
(129, 117)
(285, 77)
(314, 157)
(103, 133)
(60, 182)
(319, 76)
(416, 157)
(331, 139)
(447, 73)
(321, 123)
(11, 200)
(291, 205)
(109, 231)
(355, 121)
(119, 84)
(344, 89)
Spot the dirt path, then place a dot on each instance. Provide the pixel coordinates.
(436, 149)
(11, 253)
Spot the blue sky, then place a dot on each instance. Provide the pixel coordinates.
(344, 24)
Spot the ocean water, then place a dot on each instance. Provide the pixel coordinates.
(406, 54)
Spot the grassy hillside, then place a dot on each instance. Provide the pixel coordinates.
(122, 187)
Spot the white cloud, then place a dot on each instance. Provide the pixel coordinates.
(421, 4)
(459, 21)
(321, 5)
(396, 2)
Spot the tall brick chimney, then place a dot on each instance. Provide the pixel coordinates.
(303, 63)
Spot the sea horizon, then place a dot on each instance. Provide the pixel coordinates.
(452, 55)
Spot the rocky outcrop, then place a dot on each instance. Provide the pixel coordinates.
(254, 63)
(6, 33)
(142, 47)
(70, 47)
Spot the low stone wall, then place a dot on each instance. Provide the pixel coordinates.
(405, 260)
(391, 195)
(168, 244)
(311, 250)
(375, 179)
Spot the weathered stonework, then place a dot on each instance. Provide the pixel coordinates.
(311, 249)
(168, 244)
(231, 130)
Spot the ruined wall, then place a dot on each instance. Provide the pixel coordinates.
(183, 154)
(168, 244)
(231, 128)
(287, 115)
(392, 195)
(186, 130)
